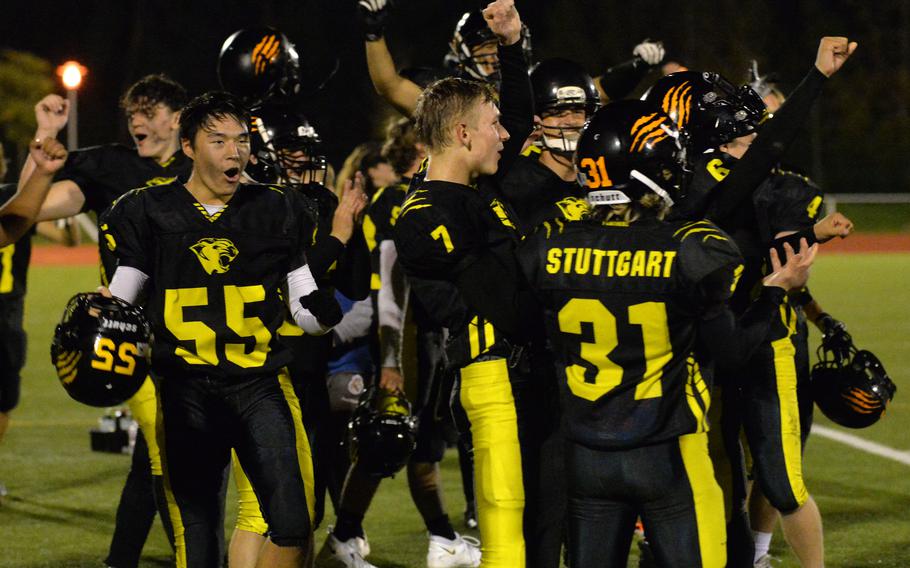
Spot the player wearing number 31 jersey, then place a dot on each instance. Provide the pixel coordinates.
(635, 309)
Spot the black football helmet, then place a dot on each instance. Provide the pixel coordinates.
(259, 63)
(627, 150)
(850, 386)
(285, 146)
(383, 433)
(101, 349)
(707, 108)
(561, 84)
(471, 32)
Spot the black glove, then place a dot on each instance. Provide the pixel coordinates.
(323, 306)
(373, 15)
(835, 338)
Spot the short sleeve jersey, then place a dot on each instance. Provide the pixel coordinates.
(621, 306)
(214, 283)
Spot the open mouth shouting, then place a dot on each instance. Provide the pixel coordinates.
(232, 175)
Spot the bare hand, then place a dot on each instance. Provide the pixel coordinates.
(51, 114)
(833, 52)
(351, 207)
(391, 379)
(794, 273)
(49, 154)
(833, 225)
(503, 20)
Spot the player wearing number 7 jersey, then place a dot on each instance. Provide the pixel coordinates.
(635, 309)
(211, 257)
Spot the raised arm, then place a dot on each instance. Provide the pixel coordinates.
(19, 213)
(398, 91)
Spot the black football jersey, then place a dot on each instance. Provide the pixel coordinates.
(379, 222)
(214, 283)
(786, 201)
(537, 194)
(104, 173)
(14, 258)
(442, 227)
(621, 305)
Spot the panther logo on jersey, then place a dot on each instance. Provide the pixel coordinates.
(573, 208)
(215, 255)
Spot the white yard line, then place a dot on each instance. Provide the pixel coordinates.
(862, 444)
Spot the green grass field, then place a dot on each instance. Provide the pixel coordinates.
(62, 498)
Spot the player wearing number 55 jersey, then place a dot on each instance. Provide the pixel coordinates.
(211, 257)
(635, 310)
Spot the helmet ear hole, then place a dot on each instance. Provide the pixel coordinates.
(101, 349)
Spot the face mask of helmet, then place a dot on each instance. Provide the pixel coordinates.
(286, 148)
(473, 50)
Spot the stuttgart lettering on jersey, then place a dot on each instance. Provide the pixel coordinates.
(610, 263)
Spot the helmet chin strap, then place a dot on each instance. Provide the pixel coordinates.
(649, 183)
(560, 145)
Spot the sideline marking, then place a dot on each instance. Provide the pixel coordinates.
(862, 444)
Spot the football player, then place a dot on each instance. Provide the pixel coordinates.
(211, 256)
(287, 152)
(454, 228)
(720, 123)
(346, 541)
(16, 218)
(91, 180)
(630, 303)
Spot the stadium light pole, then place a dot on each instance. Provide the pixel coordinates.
(71, 74)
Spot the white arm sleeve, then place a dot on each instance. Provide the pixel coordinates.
(356, 322)
(391, 304)
(301, 283)
(127, 283)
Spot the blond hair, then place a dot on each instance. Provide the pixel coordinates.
(445, 102)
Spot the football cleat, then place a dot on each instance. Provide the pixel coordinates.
(461, 552)
(348, 553)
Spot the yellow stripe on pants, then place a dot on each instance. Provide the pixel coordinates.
(144, 408)
(707, 499)
(785, 378)
(486, 396)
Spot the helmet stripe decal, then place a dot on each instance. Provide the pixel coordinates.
(263, 53)
(645, 128)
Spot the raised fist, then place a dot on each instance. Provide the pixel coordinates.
(374, 14)
(51, 114)
(651, 52)
(49, 154)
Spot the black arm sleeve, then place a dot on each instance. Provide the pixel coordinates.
(618, 81)
(808, 233)
(324, 252)
(773, 140)
(352, 276)
(516, 103)
(491, 285)
(731, 341)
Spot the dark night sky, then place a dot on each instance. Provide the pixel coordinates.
(865, 110)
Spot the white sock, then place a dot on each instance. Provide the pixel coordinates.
(762, 543)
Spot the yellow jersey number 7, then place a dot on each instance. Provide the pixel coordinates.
(600, 374)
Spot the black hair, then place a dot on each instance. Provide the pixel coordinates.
(154, 89)
(214, 105)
